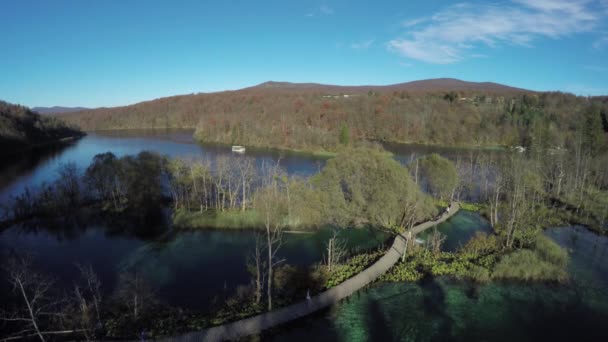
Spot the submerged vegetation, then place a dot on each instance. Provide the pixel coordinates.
(482, 259)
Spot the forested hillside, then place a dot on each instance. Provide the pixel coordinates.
(20, 128)
(311, 116)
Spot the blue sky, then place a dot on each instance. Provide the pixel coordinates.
(108, 53)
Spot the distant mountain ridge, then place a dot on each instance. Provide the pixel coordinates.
(58, 109)
(429, 85)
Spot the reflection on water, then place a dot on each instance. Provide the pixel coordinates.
(189, 268)
(33, 168)
(20, 165)
(173, 143)
(444, 309)
(588, 254)
(459, 229)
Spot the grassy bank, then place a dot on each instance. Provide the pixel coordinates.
(229, 219)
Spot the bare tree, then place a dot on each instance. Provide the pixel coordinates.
(435, 241)
(68, 184)
(270, 203)
(257, 267)
(494, 199)
(246, 168)
(86, 302)
(135, 293)
(336, 251)
(409, 217)
(34, 289)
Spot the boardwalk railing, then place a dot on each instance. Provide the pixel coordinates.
(256, 324)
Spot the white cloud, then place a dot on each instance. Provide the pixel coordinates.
(414, 22)
(427, 52)
(321, 11)
(362, 45)
(448, 34)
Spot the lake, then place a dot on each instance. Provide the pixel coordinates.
(191, 268)
(32, 168)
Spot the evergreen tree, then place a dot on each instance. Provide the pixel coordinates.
(344, 135)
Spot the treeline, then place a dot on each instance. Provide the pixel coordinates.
(315, 120)
(20, 128)
(535, 189)
(142, 184)
(129, 188)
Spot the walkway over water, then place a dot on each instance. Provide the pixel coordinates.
(256, 324)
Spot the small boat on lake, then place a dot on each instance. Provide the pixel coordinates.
(238, 149)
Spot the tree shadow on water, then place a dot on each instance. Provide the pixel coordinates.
(377, 325)
(434, 306)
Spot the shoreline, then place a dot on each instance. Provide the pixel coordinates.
(320, 151)
(40, 145)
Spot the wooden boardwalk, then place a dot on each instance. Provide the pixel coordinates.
(256, 324)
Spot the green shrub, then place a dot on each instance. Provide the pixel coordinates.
(526, 264)
(471, 206)
(481, 243)
(478, 274)
(403, 271)
(351, 267)
(550, 251)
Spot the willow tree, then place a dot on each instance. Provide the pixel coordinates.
(365, 186)
(440, 176)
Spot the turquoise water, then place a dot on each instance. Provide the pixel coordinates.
(449, 310)
(459, 229)
(187, 268)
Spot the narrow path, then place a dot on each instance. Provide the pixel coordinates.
(256, 324)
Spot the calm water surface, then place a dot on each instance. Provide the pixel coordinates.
(448, 310)
(459, 229)
(187, 268)
(190, 268)
(31, 168)
(34, 168)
